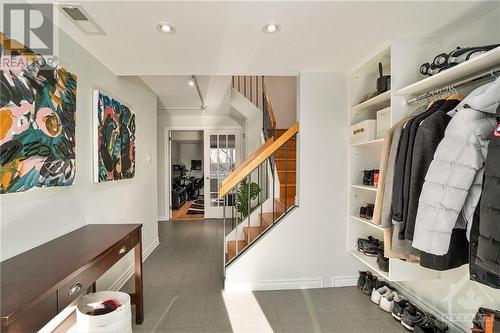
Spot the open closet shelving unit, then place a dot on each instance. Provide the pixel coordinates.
(401, 59)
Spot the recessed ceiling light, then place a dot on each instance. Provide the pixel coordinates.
(271, 28)
(166, 27)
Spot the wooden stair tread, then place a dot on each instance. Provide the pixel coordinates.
(267, 218)
(231, 245)
(252, 232)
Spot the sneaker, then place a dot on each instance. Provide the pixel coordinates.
(377, 294)
(387, 301)
(412, 317)
(431, 325)
(370, 246)
(370, 283)
(399, 304)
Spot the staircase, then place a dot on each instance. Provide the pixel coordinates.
(273, 168)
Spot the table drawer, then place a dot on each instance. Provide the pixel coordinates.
(78, 285)
(134, 238)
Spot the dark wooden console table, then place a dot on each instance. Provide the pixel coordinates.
(37, 284)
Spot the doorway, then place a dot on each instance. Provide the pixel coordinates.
(222, 153)
(187, 175)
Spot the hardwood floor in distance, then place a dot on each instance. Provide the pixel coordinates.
(182, 215)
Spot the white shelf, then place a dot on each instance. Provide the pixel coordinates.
(368, 143)
(478, 64)
(375, 103)
(365, 187)
(367, 222)
(371, 262)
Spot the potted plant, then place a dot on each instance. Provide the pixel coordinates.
(242, 196)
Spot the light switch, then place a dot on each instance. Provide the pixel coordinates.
(149, 158)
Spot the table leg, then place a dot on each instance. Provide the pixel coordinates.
(138, 297)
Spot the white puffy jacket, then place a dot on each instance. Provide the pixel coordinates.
(453, 181)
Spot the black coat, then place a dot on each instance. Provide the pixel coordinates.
(428, 135)
(398, 201)
(489, 230)
(477, 273)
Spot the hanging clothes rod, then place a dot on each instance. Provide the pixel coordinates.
(455, 85)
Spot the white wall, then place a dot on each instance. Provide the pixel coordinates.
(31, 218)
(179, 122)
(307, 249)
(191, 151)
(282, 92)
(248, 114)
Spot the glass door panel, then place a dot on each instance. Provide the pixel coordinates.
(222, 151)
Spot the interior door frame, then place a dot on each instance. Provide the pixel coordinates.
(167, 184)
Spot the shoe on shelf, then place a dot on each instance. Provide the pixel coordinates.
(378, 293)
(387, 301)
(382, 262)
(431, 325)
(369, 243)
(362, 212)
(369, 246)
(412, 316)
(369, 211)
(399, 304)
(370, 284)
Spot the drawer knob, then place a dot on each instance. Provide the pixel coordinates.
(123, 249)
(75, 288)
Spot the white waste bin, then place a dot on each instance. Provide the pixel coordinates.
(119, 320)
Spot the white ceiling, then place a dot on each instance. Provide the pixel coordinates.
(225, 38)
(176, 96)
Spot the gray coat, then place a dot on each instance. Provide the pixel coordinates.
(454, 179)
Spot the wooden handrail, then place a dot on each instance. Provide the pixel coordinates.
(249, 159)
(269, 106)
(256, 159)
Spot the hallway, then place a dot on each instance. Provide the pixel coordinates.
(183, 293)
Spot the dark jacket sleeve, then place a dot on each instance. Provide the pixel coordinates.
(399, 171)
(427, 139)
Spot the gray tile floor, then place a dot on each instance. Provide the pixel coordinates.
(183, 293)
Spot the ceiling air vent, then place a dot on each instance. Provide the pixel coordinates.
(81, 19)
(75, 13)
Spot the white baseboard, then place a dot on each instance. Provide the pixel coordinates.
(162, 218)
(344, 281)
(412, 297)
(273, 284)
(120, 281)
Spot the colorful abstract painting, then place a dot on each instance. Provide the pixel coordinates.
(37, 121)
(115, 146)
